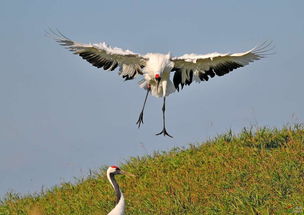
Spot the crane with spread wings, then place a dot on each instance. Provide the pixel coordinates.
(156, 69)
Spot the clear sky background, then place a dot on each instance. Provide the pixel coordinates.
(60, 116)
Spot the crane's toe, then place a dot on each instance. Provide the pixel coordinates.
(164, 132)
(140, 119)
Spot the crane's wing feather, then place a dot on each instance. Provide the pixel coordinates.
(191, 67)
(103, 56)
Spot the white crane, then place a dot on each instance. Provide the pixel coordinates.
(119, 209)
(156, 68)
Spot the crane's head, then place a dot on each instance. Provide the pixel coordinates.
(115, 170)
(157, 64)
(157, 79)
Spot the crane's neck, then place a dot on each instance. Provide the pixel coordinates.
(120, 201)
(115, 186)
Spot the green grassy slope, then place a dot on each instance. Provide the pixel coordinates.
(254, 172)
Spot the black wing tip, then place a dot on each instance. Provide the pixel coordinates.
(264, 49)
(58, 37)
(177, 79)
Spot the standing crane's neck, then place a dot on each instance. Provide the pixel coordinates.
(120, 201)
(112, 180)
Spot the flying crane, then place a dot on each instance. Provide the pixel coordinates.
(156, 69)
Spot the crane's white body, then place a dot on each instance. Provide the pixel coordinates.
(158, 64)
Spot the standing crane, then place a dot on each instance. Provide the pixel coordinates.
(156, 68)
(120, 202)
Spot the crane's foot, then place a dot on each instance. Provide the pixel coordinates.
(140, 119)
(164, 132)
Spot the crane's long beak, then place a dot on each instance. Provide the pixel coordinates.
(127, 173)
(157, 81)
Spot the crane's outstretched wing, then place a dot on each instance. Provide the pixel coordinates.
(103, 56)
(191, 67)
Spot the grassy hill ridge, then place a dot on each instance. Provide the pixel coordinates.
(254, 172)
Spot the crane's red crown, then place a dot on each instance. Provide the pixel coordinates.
(115, 167)
(157, 76)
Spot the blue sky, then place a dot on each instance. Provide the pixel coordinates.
(60, 116)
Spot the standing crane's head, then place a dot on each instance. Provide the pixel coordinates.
(115, 170)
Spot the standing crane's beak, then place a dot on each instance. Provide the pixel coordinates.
(126, 173)
(157, 78)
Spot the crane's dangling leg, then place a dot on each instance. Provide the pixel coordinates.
(141, 115)
(164, 131)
